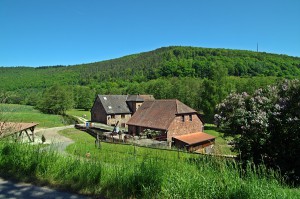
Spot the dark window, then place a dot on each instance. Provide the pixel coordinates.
(191, 117)
(112, 116)
(123, 116)
(182, 118)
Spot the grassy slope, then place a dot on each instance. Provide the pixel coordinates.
(221, 146)
(169, 174)
(22, 113)
(118, 171)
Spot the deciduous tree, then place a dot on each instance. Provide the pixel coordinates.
(266, 125)
(56, 100)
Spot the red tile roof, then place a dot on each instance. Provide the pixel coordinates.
(194, 138)
(159, 114)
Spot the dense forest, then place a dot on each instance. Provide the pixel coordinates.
(199, 77)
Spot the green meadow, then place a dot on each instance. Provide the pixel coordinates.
(23, 113)
(79, 113)
(126, 171)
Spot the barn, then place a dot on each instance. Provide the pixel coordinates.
(170, 117)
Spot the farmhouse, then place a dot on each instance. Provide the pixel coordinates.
(172, 119)
(113, 109)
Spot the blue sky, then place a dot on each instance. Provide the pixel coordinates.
(66, 32)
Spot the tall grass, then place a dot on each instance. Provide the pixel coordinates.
(35, 164)
(140, 174)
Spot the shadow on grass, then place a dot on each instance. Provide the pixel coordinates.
(211, 128)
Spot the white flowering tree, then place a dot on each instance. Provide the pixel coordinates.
(266, 126)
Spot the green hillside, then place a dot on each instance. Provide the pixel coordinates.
(162, 62)
(168, 72)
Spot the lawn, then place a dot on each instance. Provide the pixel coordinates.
(79, 113)
(109, 152)
(22, 113)
(221, 146)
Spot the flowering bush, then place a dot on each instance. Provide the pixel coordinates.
(266, 126)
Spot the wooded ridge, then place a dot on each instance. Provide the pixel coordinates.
(156, 72)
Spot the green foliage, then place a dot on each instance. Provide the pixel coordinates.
(56, 100)
(267, 124)
(84, 97)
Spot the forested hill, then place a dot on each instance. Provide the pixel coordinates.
(192, 62)
(162, 62)
(199, 77)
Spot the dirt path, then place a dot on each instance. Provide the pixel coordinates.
(51, 134)
(15, 190)
(56, 141)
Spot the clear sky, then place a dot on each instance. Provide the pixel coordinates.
(66, 32)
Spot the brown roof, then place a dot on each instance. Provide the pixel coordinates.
(11, 127)
(194, 138)
(158, 114)
(139, 98)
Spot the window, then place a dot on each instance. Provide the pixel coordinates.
(191, 117)
(123, 116)
(112, 116)
(182, 118)
(104, 98)
(109, 107)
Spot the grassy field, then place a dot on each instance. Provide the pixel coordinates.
(22, 113)
(141, 172)
(125, 171)
(80, 113)
(84, 143)
(221, 146)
